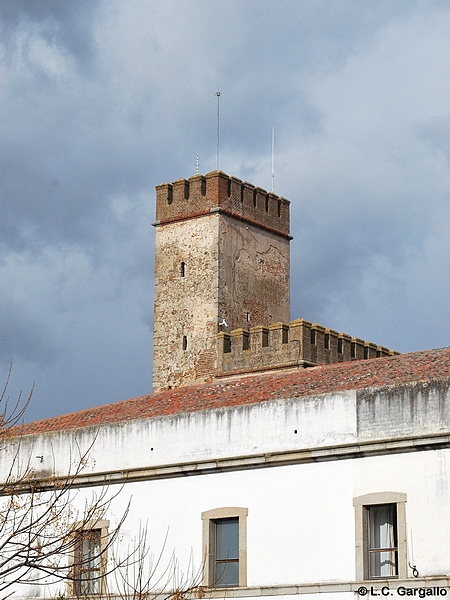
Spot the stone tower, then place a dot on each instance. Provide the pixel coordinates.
(222, 253)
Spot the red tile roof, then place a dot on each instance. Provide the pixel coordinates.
(250, 389)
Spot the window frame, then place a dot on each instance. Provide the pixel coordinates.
(382, 548)
(362, 506)
(76, 565)
(210, 518)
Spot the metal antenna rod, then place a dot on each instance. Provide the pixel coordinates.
(196, 165)
(218, 127)
(273, 159)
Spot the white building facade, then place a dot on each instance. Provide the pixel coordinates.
(318, 493)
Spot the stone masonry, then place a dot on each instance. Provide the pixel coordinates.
(222, 286)
(298, 343)
(222, 254)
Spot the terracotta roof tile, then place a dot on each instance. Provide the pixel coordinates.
(250, 389)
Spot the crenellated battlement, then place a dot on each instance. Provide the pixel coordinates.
(200, 195)
(299, 343)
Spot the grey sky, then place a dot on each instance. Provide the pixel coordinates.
(101, 101)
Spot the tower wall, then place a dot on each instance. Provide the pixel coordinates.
(253, 275)
(186, 302)
(222, 252)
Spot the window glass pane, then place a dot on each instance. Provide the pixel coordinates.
(382, 526)
(227, 539)
(383, 564)
(88, 585)
(226, 574)
(90, 549)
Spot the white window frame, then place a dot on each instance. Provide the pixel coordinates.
(209, 518)
(362, 504)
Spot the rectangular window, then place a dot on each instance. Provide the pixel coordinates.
(226, 552)
(225, 547)
(382, 545)
(380, 536)
(87, 567)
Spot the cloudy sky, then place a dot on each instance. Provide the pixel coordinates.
(102, 100)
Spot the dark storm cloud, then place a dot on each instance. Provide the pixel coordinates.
(25, 336)
(66, 24)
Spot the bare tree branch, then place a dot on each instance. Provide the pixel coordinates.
(50, 532)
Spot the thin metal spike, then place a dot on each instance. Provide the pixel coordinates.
(218, 94)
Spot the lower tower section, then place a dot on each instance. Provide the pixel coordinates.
(186, 302)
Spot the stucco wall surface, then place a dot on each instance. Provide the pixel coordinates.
(205, 435)
(301, 520)
(305, 423)
(417, 408)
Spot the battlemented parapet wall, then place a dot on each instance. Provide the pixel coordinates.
(299, 343)
(200, 195)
